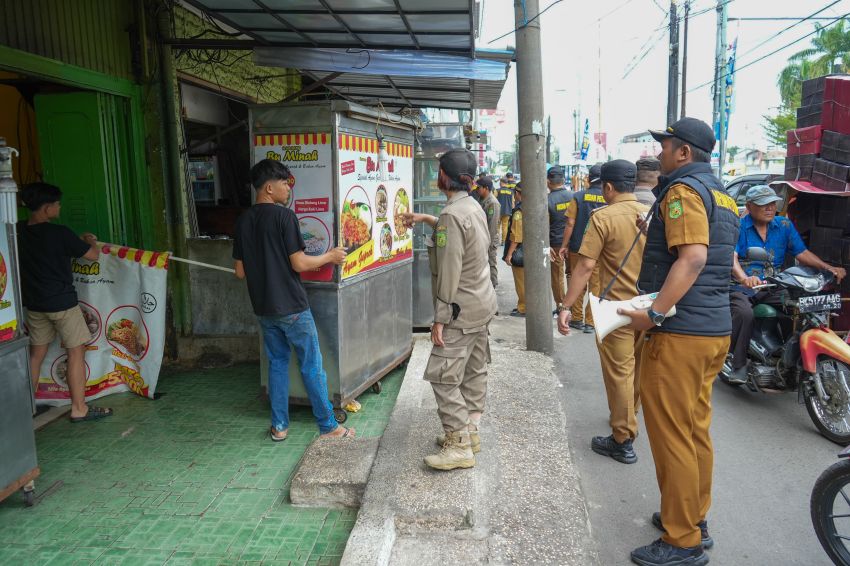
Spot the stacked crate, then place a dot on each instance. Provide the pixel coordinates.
(819, 153)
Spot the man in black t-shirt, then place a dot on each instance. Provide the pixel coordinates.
(47, 289)
(269, 253)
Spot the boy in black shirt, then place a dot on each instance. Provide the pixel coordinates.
(47, 288)
(269, 252)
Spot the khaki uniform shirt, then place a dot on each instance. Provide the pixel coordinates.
(684, 216)
(516, 228)
(610, 232)
(461, 240)
(492, 209)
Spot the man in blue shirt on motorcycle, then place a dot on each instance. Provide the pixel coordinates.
(763, 229)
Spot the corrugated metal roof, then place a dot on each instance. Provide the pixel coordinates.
(445, 26)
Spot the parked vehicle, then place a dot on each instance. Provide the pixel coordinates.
(792, 348)
(737, 188)
(830, 508)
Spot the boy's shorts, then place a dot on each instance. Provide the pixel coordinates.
(69, 324)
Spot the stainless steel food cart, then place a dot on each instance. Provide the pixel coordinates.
(18, 464)
(352, 179)
(434, 139)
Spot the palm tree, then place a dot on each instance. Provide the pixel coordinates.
(830, 50)
(791, 79)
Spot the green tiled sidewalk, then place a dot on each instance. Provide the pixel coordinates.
(191, 478)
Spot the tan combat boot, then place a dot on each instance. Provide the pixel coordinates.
(474, 439)
(456, 453)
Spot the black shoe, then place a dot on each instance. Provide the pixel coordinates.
(577, 325)
(607, 446)
(517, 313)
(707, 541)
(588, 329)
(659, 553)
(738, 376)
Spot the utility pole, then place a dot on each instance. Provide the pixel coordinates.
(720, 84)
(673, 66)
(535, 226)
(549, 139)
(685, 59)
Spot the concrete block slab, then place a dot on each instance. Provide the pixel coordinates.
(333, 472)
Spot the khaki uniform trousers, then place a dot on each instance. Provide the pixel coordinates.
(619, 354)
(503, 220)
(519, 283)
(579, 312)
(676, 377)
(494, 269)
(458, 374)
(559, 280)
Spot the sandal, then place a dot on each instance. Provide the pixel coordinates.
(349, 433)
(274, 434)
(93, 414)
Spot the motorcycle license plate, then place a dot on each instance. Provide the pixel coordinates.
(819, 303)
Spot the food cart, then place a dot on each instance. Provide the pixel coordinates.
(434, 140)
(352, 180)
(18, 465)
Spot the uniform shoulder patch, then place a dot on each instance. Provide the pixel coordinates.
(491, 210)
(441, 236)
(675, 209)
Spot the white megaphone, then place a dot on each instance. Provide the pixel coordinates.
(605, 316)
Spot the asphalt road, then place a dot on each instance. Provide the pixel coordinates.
(768, 455)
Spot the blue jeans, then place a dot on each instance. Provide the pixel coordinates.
(299, 332)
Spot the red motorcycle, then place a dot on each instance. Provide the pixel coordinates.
(793, 349)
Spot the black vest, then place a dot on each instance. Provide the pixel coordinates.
(587, 201)
(558, 200)
(508, 233)
(505, 196)
(704, 310)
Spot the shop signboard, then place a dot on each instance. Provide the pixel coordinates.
(309, 157)
(8, 310)
(122, 295)
(373, 197)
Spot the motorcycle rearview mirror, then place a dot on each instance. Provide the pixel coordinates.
(757, 254)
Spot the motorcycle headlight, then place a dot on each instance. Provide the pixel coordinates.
(810, 284)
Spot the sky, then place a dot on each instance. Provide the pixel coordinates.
(571, 36)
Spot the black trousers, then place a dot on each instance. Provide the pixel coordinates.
(742, 327)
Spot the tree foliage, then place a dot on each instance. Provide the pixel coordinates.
(829, 52)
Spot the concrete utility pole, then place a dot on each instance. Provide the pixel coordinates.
(532, 137)
(685, 59)
(673, 67)
(720, 83)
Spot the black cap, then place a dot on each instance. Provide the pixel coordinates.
(648, 164)
(518, 187)
(691, 131)
(485, 182)
(509, 175)
(618, 170)
(595, 172)
(555, 173)
(457, 162)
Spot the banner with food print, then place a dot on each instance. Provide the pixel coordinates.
(8, 312)
(122, 295)
(375, 188)
(309, 157)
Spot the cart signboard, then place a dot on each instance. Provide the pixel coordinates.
(309, 157)
(373, 198)
(8, 308)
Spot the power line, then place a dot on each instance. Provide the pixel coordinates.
(777, 34)
(774, 52)
(643, 52)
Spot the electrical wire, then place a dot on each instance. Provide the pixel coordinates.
(798, 22)
(540, 13)
(774, 52)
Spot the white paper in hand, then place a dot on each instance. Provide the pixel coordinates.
(606, 319)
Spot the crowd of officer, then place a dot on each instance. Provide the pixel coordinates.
(660, 227)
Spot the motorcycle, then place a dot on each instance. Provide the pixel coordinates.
(792, 348)
(830, 508)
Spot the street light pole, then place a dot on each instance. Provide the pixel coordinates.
(673, 67)
(532, 137)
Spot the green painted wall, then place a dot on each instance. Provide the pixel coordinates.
(92, 34)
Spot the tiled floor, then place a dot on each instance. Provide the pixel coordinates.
(191, 478)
